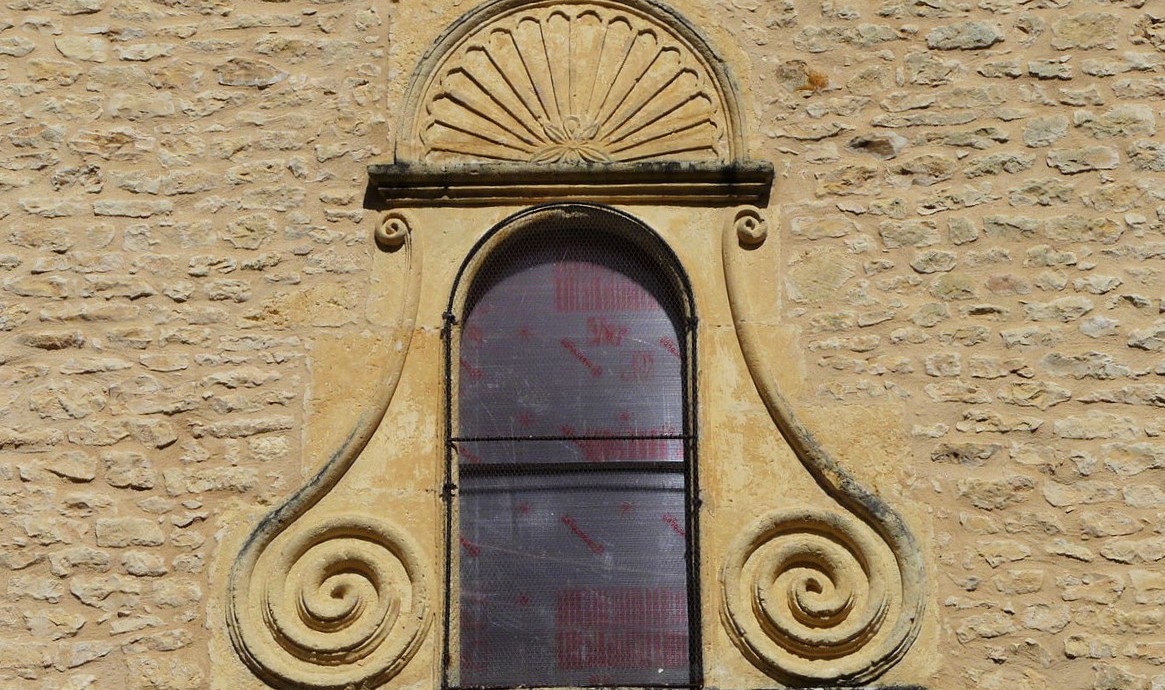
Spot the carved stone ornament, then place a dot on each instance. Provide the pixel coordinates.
(570, 82)
(532, 101)
(812, 596)
(528, 101)
(324, 599)
(392, 230)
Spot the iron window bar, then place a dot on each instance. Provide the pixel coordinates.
(575, 437)
(535, 468)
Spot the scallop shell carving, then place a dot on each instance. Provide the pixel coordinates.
(571, 84)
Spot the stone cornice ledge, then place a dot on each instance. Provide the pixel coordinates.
(395, 185)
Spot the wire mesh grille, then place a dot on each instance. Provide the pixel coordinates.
(570, 449)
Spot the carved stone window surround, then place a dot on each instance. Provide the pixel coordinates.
(823, 585)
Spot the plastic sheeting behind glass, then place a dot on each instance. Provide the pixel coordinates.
(570, 446)
(573, 580)
(570, 339)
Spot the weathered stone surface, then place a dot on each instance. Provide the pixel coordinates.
(998, 163)
(1055, 68)
(1121, 121)
(1086, 30)
(1094, 365)
(996, 494)
(1072, 229)
(980, 421)
(1037, 394)
(1064, 309)
(249, 231)
(998, 552)
(1078, 160)
(953, 287)
(1085, 492)
(924, 170)
(1010, 227)
(964, 36)
(134, 107)
(1151, 339)
(244, 72)
(122, 532)
(1041, 192)
(933, 261)
(151, 672)
(75, 466)
(117, 144)
(1129, 460)
(884, 146)
(1000, 69)
(16, 46)
(144, 52)
(1096, 425)
(128, 469)
(1147, 155)
(821, 39)
(820, 227)
(928, 69)
(230, 479)
(1148, 586)
(967, 454)
(132, 208)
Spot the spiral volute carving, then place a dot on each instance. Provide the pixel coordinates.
(750, 226)
(392, 231)
(343, 603)
(807, 594)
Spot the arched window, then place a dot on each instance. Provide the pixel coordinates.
(571, 458)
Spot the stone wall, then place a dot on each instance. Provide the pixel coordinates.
(973, 214)
(970, 201)
(180, 204)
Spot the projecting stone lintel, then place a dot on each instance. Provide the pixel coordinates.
(394, 185)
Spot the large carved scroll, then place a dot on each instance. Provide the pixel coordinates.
(325, 599)
(811, 596)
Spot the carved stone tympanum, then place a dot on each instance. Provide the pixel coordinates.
(555, 82)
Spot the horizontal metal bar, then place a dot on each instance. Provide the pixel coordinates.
(661, 686)
(515, 468)
(645, 437)
(676, 686)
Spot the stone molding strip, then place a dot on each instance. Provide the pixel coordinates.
(674, 183)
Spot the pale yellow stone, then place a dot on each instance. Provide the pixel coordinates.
(84, 48)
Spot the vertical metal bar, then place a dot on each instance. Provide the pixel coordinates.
(447, 494)
(691, 421)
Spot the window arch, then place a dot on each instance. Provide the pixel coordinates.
(571, 458)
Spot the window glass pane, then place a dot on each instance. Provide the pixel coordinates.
(608, 449)
(570, 339)
(572, 556)
(573, 580)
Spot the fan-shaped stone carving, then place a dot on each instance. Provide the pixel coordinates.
(563, 83)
